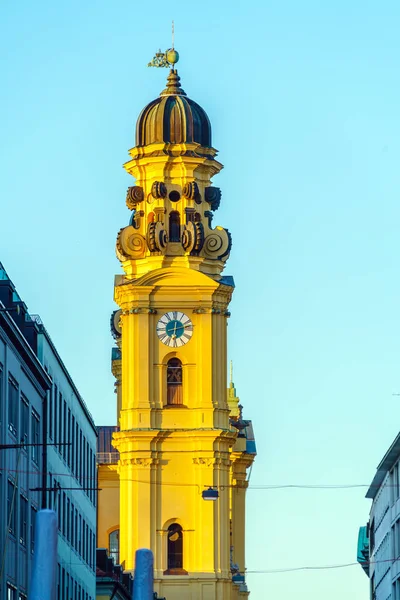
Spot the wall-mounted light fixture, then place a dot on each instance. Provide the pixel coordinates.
(210, 494)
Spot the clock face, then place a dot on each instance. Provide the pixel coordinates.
(174, 329)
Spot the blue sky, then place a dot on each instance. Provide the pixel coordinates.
(303, 98)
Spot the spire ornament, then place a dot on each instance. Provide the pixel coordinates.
(166, 59)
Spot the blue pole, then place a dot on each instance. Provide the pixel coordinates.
(43, 582)
(143, 581)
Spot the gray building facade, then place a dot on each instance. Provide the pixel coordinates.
(39, 404)
(24, 386)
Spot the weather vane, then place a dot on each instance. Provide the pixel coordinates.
(167, 59)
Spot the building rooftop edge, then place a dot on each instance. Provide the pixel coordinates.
(43, 330)
(25, 346)
(387, 462)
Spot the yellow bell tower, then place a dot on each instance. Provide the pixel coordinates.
(181, 439)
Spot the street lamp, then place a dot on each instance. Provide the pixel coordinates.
(210, 494)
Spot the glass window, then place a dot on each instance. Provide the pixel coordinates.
(1, 394)
(175, 547)
(55, 413)
(11, 592)
(68, 531)
(11, 512)
(23, 520)
(35, 437)
(76, 530)
(80, 457)
(174, 382)
(60, 409)
(24, 420)
(72, 525)
(69, 438)
(33, 527)
(72, 440)
(50, 411)
(64, 447)
(63, 516)
(13, 405)
(113, 541)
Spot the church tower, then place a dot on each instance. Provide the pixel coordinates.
(181, 437)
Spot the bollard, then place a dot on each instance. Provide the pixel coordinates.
(144, 580)
(43, 581)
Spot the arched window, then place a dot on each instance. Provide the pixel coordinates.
(174, 226)
(175, 547)
(174, 382)
(113, 542)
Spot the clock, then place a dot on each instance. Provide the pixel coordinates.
(174, 329)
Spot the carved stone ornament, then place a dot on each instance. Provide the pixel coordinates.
(115, 325)
(213, 197)
(134, 195)
(217, 244)
(136, 462)
(156, 237)
(203, 461)
(158, 189)
(193, 237)
(191, 190)
(130, 244)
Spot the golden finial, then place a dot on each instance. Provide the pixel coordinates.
(167, 59)
(231, 373)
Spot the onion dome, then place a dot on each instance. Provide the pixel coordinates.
(173, 118)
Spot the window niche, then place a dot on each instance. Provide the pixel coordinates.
(114, 546)
(175, 550)
(174, 226)
(174, 382)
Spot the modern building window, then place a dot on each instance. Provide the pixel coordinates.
(55, 414)
(11, 592)
(60, 423)
(64, 447)
(11, 512)
(68, 530)
(13, 405)
(72, 525)
(1, 394)
(83, 540)
(174, 382)
(23, 520)
(80, 457)
(395, 482)
(24, 436)
(113, 541)
(35, 437)
(372, 536)
(76, 530)
(72, 440)
(174, 226)
(175, 547)
(76, 472)
(51, 401)
(33, 527)
(64, 514)
(69, 438)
